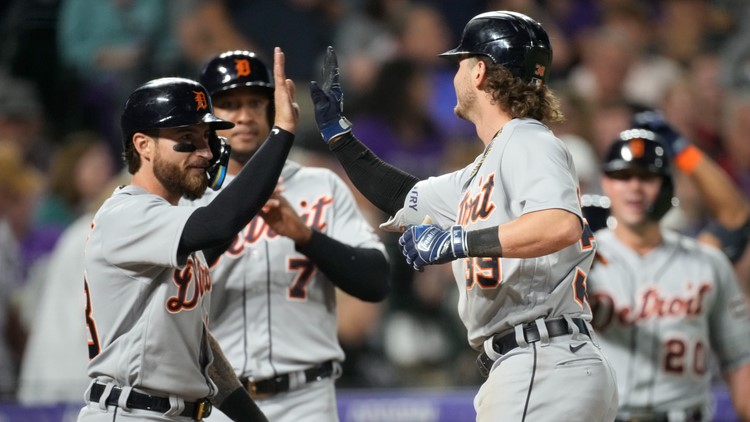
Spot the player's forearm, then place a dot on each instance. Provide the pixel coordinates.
(381, 183)
(360, 272)
(724, 200)
(232, 398)
(218, 222)
(539, 233)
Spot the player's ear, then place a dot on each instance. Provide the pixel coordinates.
(144, 145)
(479, 73)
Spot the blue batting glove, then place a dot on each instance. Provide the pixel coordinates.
(428, 244)
(329, 100)
(655, 122)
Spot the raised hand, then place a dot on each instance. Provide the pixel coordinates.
(428, 244)
(654, 121)
(287, 109)
(329, 100)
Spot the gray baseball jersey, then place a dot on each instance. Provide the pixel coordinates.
(146, 308)
(660, 315)
(273, 312)
(524, 169)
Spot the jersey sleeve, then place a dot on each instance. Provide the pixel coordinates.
(436, 197)
(730, 317)
(537, 172)
(143, 229)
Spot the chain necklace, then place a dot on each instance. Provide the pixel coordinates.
(484, 155)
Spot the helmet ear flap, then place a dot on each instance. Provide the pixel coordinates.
(663, 202)
(216, 171)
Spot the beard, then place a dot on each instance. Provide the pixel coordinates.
(177, 180)
(465, 100)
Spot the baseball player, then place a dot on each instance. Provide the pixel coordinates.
(663, 302)
(730, 209)
(273, 306)
(509, 222)
(147, 281)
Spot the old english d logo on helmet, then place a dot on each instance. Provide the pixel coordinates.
(242, 66)
(233, 69)
(637, 147)
(200, 100)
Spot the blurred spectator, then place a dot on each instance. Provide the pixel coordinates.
(688, 26)
(576, 132)
(364, 40)
(606, 58)
(28, 50)
(608, 120)
(204, 29)
(650, 73)
(736, 125)
(422, 35)
(395, 123)
(58, 322)
(424, 337)
(22, 121)
(19, 186)
(79, 170)
(302, 28)
(112, 46)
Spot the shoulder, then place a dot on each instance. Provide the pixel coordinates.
(530, 134)
(695, 249)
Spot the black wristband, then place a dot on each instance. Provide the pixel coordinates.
(240, 407)
(483, 242)
(733, 241)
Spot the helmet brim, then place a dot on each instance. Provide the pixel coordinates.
(216, 123)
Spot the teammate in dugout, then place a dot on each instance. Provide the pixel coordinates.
(146, 275)
(273, 307)
(510, 223)
(663, 302)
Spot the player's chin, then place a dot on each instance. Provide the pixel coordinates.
(194, 185)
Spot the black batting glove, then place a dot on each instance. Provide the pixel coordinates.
(329, 100)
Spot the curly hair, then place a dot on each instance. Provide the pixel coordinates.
(518, 98)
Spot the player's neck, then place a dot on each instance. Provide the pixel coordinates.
(490, 124)
(152, 185)
(642, 239)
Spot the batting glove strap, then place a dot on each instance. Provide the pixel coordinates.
(428, 244)
(335, 128)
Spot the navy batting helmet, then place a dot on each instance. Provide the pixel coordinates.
(641, 149)
(510, 39)
(235, 69)
(165, 103)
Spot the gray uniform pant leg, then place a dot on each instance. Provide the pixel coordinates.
(570, 383)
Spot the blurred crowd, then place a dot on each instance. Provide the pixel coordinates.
(66, 67)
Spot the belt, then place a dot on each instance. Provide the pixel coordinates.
(281, 383)
(504, 344)
(196, 410)
(690, 415)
